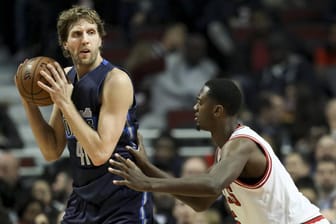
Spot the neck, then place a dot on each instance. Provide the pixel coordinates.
(221, 134)
(83, 69)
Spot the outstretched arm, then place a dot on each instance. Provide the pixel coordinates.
(234, 157)
(202, 186)
(197, 203)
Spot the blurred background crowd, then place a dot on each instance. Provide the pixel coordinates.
(281, 53)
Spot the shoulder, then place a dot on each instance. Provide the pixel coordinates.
(117, 76)
(245, 137)
(241, 145)
(246, 152)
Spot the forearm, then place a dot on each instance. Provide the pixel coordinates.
(88, 137)
(197, 203)
(152, 171)
(201, 186)
(44, 134)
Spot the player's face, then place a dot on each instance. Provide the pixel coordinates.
(203, 110)
(83, 42)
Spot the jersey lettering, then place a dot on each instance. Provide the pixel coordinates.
(231, 198)
(88, 118)
(80, 153)
(235, 217)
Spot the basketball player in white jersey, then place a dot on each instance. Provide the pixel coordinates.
(257, 187)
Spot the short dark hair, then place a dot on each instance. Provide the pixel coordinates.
(227, 93)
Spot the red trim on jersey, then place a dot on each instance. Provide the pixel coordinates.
(314, 220)
(268, 162)
(218, 149)
(239, 126)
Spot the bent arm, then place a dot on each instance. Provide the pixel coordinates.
(117, 97)
(197, 203)
(49, 137)
(234, 157)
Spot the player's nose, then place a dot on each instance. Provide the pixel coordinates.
(85, 38)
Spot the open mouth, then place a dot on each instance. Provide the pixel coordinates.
(84, 51)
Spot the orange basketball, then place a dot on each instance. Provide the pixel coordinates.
(27, 77)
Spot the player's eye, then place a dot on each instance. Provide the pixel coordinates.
(92, 32)
(76, 34)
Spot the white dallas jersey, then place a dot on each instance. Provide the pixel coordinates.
(274, 199)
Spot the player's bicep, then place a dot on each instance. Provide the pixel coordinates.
(117, 97)
(234, 157)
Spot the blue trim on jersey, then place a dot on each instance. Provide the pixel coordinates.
(142, 208)
(132, 129)
(105, 62)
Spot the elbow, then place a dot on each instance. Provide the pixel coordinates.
(215, 188)
(96, 157)
(50, 158)
(201, 207)
(51, 155)
(100, 159)
(102, 156)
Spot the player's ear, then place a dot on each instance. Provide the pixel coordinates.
(65, 45)
(218, 110)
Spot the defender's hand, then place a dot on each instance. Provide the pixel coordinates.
(133, 176)
(140, 155)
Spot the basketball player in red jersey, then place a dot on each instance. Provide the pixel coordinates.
(257, 187)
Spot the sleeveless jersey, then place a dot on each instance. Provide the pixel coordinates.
(274, 199)
(87, 99)
(95, 199)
